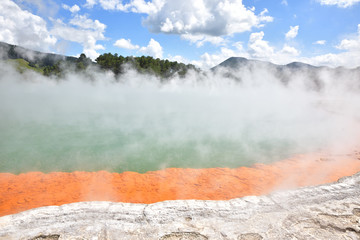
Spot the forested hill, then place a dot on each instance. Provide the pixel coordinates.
(55, 64)
(164, 68)
(34, 58)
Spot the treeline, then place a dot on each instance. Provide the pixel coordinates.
(143, 64)
(78, 64)
(57, 65)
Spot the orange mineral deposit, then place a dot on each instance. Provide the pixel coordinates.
(35, 189)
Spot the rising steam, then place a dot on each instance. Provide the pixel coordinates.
(136, 122)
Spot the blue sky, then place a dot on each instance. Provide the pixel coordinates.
(201, 32)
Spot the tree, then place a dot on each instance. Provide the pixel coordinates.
(82, 62)
(143, 64)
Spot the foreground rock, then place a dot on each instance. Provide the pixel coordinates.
(324, 212)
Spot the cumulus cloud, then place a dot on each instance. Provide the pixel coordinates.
(153, 49)
(125, 43)
(320, 42)
(23, 28)
(290, 51)
(90, 3)
(284, 2)
(84, 31)
(198, 21)
(200, 40)
(259, 48)
(74, 9)
(84, 22)
(206, 17)
(339, 3)
(137, 6)
(210, 60)
(292, 33)
(44, 7)
(178, 58)
(352, 44)
(350, 57)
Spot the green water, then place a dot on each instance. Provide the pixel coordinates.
(34, 147)
(78, 126)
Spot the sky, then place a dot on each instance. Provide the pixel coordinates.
(200, 32)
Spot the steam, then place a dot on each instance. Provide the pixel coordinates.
(95, 121)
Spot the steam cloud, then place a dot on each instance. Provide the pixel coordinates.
(137, 122)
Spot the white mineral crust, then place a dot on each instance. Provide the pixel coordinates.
(329, 211)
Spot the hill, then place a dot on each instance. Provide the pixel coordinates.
(235, 63)
(237, 67)
(55, 64)
(34, 58)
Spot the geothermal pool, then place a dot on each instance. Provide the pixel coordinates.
(141, 125)
(137, 139)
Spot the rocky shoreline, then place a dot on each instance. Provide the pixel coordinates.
(330, 211)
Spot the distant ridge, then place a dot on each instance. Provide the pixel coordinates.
(236, 62)
(314, 75)
(35, 58)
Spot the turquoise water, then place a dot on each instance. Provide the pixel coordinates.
(55, 147)
(75, 125)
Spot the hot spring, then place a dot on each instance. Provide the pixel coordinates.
(93, 121)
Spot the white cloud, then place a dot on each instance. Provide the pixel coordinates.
(137, 6)
(345, 59)
(90, 3)
(349, 44)
(350, 57)
(126, 43)
(200, 40)
(205, 17)
(339, 3)
(84, 31)
(45, 7)
(85, 23)
(292, 33)
(259, 48)
(210, 60)
(284, 2)
(290, 51)
(73, 9)
(198, 21)
(320, 42)
(352, 44)
(153, 49)
(24, 28)
(141, 6)
(178, 58)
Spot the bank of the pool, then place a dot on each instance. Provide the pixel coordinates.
(35, 189)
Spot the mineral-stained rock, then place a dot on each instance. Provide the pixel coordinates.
(184, 236)
(250, 236)
(48, 237)
(322, 212)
